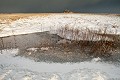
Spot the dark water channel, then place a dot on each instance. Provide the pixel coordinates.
(28, 40)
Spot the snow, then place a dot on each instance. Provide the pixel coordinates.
(55, 21)
(32, 49)
(96, 59)
(54, 77)
(44, 48)
(5, 74)
(14, 67)
(21, 68)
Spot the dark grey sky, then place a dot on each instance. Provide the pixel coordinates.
(31, 6)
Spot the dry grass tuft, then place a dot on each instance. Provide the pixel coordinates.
(99, 42)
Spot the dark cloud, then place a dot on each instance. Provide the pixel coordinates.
(101, 6)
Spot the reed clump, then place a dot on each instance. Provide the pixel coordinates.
(98, 42)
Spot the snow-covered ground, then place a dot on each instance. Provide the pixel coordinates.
(106, 23)
(14, 67)
(20, 68)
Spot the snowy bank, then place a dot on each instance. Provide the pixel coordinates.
(109, 24)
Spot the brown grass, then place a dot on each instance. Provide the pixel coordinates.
(13, 17)
(103, 46)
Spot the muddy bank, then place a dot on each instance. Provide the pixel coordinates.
(46, 47)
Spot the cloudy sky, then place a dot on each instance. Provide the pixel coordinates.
(33, 6)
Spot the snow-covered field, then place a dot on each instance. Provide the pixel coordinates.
(109, 24)
(20, 68)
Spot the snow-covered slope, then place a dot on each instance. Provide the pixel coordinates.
(84, 22)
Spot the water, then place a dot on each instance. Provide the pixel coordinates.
(28, 40)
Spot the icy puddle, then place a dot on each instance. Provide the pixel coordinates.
(14, 67)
